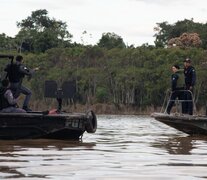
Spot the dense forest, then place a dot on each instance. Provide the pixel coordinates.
(109, 72)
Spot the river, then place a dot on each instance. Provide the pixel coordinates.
(123, 147)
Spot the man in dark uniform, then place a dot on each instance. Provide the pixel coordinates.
(8, 104)
(15, 73)
(177, 86)
(190, 80)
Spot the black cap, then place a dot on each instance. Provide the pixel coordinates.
(187, 60)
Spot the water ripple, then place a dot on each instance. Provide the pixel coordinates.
(124, 147)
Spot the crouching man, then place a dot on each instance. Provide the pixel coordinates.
(8, 104)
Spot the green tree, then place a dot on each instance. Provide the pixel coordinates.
(38, 32)
(165, 31)
(102, 95)
(111, 40)
(7, 43)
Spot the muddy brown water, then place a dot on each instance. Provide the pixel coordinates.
(124, 147)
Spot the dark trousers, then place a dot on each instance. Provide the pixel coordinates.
(17, 89)
(188, 104)
(175, 94)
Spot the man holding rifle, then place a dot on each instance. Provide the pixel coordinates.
(15, 73)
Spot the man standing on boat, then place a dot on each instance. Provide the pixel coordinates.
(190, 80)
(15, 73)
(177, 86)
(8, 104)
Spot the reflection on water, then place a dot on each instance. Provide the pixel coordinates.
(19, 145)
(24, 154)
(124, 147)
(177, 145)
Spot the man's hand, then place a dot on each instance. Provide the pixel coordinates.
(36, 69)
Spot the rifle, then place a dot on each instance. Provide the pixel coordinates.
(7, 56)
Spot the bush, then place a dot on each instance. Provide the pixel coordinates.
(101, 95)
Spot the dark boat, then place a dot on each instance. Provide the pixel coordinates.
(48, 124)
(37, 125)
(189, 124)
(192, 125)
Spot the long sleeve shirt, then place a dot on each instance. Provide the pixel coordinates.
(10, 98)
(190, 76)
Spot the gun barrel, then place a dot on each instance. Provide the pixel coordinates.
(6, 56)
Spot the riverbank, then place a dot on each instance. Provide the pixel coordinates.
(97, 108)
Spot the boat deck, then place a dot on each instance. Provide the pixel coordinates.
(192, 125)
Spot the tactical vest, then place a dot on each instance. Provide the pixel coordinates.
(181, 79)
(13, 73)
(3, 101)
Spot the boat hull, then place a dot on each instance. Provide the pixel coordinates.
(192, 125)
(36, 125)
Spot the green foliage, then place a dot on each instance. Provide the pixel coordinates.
(138, 76)
(108, 72)
(39, 33)
(165, 31)
(7, 43)
(111, 40)
(102, 95)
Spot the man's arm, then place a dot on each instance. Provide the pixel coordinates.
(193, 77)
(24, 70)
(174, 81)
